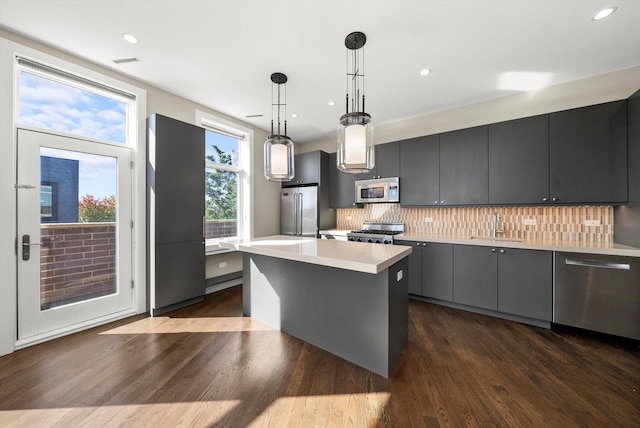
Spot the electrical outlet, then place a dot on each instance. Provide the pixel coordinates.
(399, 276)
(592, 222)
(223, 265)
(530, 221)
(428, 220)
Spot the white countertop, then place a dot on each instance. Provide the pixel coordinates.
(565, 246)
(356, 256)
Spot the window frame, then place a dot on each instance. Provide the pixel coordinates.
(244, 170)
(131, 102)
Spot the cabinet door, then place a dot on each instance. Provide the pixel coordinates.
(415, 266)
(634, 147)
(306, 169)
(437, 271)
(387, 162)
(342, 185)
(525, 283)
(519, 161)
(178, 177)
(388, 159)
(420, 171)
(464, 167)
(475, 276)
(588, 154)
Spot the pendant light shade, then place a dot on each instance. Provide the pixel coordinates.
(278, 149)
(355, 151)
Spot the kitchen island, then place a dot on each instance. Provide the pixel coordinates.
(348, 298)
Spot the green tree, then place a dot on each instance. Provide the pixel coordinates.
(92, 209)
(221, 188)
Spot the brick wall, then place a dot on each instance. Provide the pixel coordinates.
(220, 228)
(77, 262)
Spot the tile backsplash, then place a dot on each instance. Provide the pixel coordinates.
(553, 223)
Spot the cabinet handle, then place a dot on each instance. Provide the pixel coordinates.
(424, 244)
(417, 244)
(493, 250)
(555, 199)
(502, 250)
(442, 202)
(436, 202)
(545, 199)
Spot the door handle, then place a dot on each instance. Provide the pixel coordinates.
(26, 247)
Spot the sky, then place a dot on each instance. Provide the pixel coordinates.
(52, 105)
(48, 104)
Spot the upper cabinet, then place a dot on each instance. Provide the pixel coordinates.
(634, 147)
(420, 171)
(588, 154)
(387, 162)
(464, 167)
(342, 185)
(307, 169)
(519, 161)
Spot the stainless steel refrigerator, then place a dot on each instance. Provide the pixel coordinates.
(299, 211)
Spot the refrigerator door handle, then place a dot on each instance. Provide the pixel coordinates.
(300, 211)
(295, 213)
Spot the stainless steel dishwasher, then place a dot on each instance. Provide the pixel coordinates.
(597, 292)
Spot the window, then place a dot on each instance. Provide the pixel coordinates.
(57, 101)
(226, 177)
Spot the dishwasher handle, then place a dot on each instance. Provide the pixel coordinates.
(597, 264)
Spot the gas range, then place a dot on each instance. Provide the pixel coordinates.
(376, 233)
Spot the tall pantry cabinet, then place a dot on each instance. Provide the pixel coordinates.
(175, 213)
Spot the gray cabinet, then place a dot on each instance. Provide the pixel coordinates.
(342, 185)
(525, 283)
(464, 167)
(415, 266)
(175, 203)
(430, 269)
(508, 280)
(588, 154)
(387, 162)
(475, 276)
(437, 271)
(519, 161)
(420, 171)
(307, 169)
(634, 147)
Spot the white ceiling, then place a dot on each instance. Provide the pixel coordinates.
(221, 53)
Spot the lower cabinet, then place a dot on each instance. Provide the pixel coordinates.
(430, 269)
(475, 276)
(508, 280)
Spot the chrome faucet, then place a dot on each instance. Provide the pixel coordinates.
(497, 225)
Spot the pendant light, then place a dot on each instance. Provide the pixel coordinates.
(355, 152)
(278, 149)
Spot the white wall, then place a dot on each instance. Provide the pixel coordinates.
(594, 90)
(266, 194)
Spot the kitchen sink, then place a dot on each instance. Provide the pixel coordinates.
(497, 239)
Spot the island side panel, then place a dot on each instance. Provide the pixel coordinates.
(341, 311)
(398, 309)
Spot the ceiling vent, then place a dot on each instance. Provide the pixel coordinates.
(125, 60)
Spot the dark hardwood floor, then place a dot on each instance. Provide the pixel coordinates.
(206, 365)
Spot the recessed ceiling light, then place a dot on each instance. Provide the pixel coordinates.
(425, 71)
(130, 38)
(331, 103)
(603, 13)
(294, 115)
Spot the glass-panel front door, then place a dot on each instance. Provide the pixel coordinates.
(74, 234)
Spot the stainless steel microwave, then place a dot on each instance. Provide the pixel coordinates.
(378, 190)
